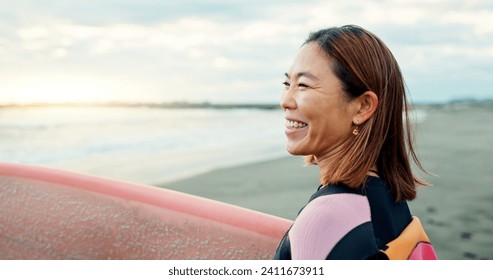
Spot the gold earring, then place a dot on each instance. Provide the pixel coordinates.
(356, 131)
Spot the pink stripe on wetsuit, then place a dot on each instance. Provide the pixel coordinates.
(324, 221)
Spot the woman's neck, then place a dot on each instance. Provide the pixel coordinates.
(326, 164)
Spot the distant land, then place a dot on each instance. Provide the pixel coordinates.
(457, 103)
(164, 105)
(206, 105)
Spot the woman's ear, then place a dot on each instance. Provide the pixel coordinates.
(367, 105)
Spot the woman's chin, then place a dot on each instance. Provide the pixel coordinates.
(295, 151)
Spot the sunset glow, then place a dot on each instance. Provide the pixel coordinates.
(219, 52)
(57, 91)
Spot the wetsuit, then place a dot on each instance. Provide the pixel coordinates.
(343, 223)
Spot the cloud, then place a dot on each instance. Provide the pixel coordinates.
(202, 50)
(181, 35)
(479, 21)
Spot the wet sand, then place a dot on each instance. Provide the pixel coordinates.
(455, 143)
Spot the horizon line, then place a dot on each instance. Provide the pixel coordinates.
(207, 104)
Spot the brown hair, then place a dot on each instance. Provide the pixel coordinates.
(363, 63)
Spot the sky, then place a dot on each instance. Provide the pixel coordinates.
(222, 51)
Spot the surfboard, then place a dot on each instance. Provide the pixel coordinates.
(48, 213)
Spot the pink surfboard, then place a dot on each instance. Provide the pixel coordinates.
(54, 214)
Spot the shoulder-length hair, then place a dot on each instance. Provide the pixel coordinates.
(363, 63)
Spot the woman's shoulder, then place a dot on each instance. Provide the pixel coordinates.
(335, 189)
(338, 207)
(374, 188)
(335, 216)
(340, 222)
(336, 201)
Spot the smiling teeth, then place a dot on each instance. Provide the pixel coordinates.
(293, 124)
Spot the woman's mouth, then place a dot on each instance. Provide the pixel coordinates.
(295, 124)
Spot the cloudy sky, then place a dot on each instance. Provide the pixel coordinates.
(227, 51)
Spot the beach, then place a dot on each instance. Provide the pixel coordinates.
(454, 144)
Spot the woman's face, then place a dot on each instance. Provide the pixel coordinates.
(319, 117)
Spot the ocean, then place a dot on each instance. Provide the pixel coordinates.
(139, 144)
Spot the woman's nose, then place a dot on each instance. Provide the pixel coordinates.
(287, 100)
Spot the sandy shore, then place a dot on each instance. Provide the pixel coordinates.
(457, 211)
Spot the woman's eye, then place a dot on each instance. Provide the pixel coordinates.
(300, 85)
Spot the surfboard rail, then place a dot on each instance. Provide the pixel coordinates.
(48, 213)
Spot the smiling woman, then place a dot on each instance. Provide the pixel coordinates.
(344, 102)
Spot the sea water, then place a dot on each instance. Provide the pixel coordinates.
(139, 144)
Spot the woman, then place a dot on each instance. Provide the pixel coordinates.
(344, 103)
